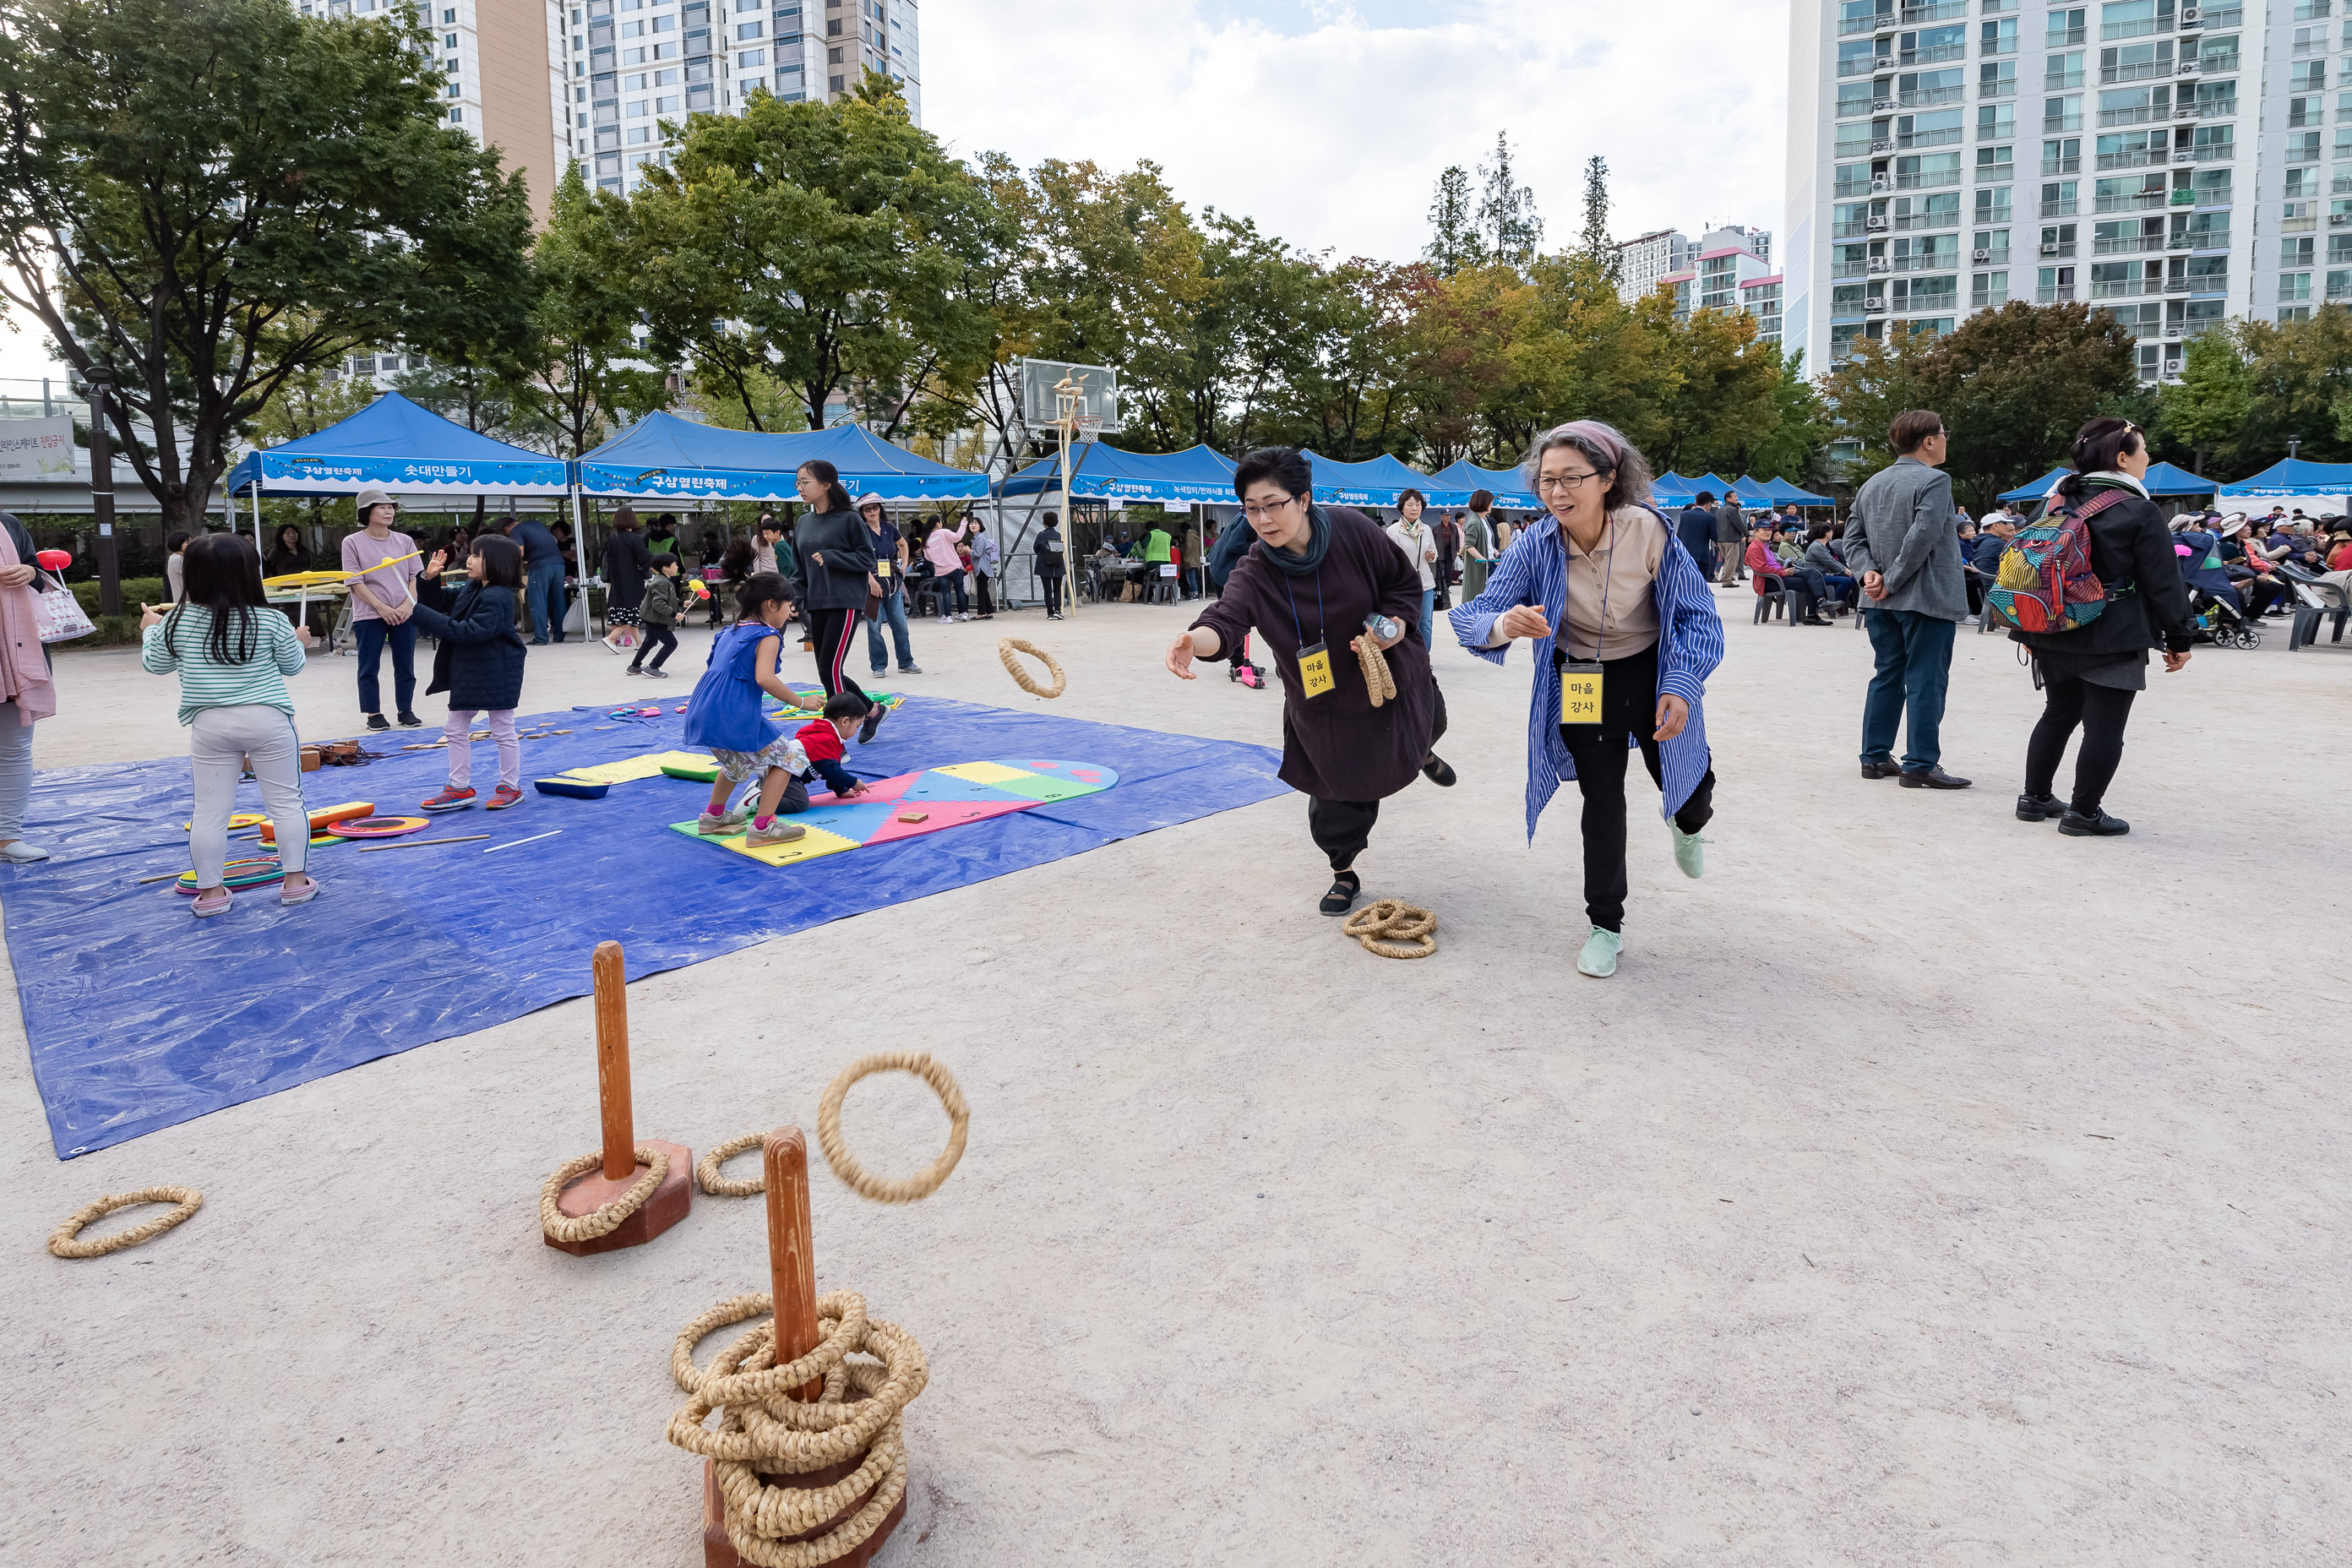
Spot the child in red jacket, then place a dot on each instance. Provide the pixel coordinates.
(821, 739)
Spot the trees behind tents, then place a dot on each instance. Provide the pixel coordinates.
(211, 197)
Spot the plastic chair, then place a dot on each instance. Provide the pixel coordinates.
(1771, 600)
(2315, 603)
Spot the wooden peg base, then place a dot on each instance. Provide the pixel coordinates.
(718, 1551)
(658, 1214)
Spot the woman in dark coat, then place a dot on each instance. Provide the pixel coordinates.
(837, 557)
(2091, 674)
(1313, 583)
(627, 562)
(479, 665)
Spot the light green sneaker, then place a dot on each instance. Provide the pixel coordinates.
(1599, 958)
(1688, 853)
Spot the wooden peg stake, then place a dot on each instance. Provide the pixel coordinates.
(612, 1062)
(792, 1258)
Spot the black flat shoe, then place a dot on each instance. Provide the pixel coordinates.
(874, 716)
(411, 722)
(2039, 807)
(1342, 895)
(1435, 769)
(1931, 778)
(2101, 826)
(1881, 769)
(378, 721)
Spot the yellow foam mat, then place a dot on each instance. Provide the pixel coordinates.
(983, 773)
(808, 846)
(628, 769)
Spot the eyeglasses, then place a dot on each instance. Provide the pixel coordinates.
(1559, 484)
(1257, 511)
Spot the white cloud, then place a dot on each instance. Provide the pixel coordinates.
(1330, 130)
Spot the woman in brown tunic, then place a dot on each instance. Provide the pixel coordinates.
(1315, 582)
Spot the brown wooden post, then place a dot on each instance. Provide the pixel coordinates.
(791, 1255)
(612, 1062)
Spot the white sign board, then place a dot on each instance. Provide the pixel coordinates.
(32, 450)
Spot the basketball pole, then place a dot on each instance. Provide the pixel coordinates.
(1065, 410)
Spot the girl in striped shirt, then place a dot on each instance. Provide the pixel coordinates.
(233, 653)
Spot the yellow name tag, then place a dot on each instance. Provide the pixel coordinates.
(1315, 670)
(1579, 694)
(881, 569)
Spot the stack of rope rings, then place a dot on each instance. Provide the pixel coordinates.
(764, 1431)
(1376, 678)
(854, 1176)
(63, 1241)
(1393, 928)
(607, 1219)
(1007, 647)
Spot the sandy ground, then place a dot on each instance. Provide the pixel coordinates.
(1926, 1188)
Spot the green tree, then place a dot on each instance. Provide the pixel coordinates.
(1801, 426)
(2014, 385)
(1509, 229)
(1864, 392)
(1595, 241)
(1453, 239)
(585, 371)
(1721, 408)
(2207, 409)
(2298, 374)
(213, 196)
(818, 242)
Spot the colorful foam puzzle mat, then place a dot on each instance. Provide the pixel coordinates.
(249, 872)
(809, 702)
(910, 805)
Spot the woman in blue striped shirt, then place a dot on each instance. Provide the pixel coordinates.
(1625, 634)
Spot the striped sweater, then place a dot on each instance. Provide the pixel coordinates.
(260, 680)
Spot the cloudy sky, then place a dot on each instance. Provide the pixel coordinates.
(1328, 122)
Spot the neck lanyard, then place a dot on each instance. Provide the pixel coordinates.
(1567, 589)
(1290, 592)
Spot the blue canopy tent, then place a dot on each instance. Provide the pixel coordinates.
(1378, 482)
(1197, 476)
(664, 457)
(2291, 476)
(396, 447)
(2162, 480)
(1506, 485)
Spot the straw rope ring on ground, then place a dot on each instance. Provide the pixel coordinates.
(765, 1433)
(844, 1166)
(605, 1220)
(1393, 928)
(63, 1241)
(1376, 678)
(1007, 647)
(706, 1170)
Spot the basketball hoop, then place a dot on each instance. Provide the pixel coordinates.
(1086, 427)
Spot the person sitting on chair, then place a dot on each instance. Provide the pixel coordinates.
(1802, 584)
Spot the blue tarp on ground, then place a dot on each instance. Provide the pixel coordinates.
(1103, 472)
(2162, 480)
(140, 1017)
(1464, 475)
(393, 445)
(662, 457)
(1378, 482)
(2294, 476)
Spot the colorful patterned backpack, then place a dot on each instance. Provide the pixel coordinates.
(2046, 582)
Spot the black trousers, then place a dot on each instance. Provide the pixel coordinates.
(832, 630)
(1342, 827)
(662, 637)
(1629, 706)
(2101, 711)
(1049, 580)
(980, 582)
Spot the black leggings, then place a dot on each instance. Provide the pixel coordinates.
(833, 629)
(1342, 827)
(2101, 711)
(1629, 708)
(660, 637)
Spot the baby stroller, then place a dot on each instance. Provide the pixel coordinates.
(2219, 619)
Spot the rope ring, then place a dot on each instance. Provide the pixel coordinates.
(1379, 682)
(1393, 928)
(63, 1242)
(706, 1170)
(1007, 647)
(607, 1219)
(846, 1166)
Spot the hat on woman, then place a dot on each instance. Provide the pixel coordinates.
(372, 498)
(868, 498)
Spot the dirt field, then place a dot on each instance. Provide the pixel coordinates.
(1926, 1188)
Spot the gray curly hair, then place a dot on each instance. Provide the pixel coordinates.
(1606, 448)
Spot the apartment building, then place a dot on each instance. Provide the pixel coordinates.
(2168, 161)
(1727, 269)
(549, 81)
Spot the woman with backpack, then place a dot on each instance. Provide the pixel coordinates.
(2104, 603)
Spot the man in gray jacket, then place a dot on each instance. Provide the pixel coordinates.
(1730, 540)
(1903, 546)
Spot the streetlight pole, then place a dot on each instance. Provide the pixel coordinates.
(102, 492)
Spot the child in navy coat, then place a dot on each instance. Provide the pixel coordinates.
(479, 665)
